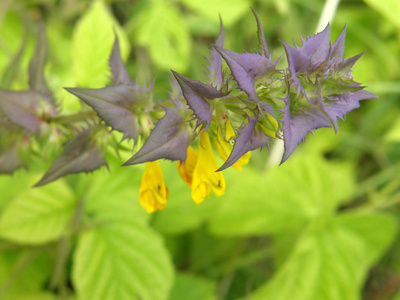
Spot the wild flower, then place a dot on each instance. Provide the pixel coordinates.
(244, 107)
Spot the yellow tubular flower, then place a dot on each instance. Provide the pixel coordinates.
(153, 193)
(187, 167)
(204, 176)
(224, 147)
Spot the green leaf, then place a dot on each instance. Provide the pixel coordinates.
(92, 43)
(22, 272)
(10, 186)
(393, 134)
(125, 260)
(390, 9)
(11, 35)
(231, 10)
(284, 198)
(36, 296)
(181, 214)
(192, 287)
(160, 27)
(13, 68)
(112, 195)
(331, 262)
(38, 215)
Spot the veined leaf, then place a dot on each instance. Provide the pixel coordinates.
(92, 43)
(331, 262)
(160, 27)
(39, 215)
(283, 199)
(124, 260)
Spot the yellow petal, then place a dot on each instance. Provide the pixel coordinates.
(187, 167)
(204, 175)
(153, 193)
(224, 146)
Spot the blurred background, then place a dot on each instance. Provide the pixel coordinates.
(324, 225)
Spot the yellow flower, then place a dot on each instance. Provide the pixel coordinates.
(187, 167)
(224, 146)
(153, 193)
(204, 176)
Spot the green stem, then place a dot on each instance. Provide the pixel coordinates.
(80, 116)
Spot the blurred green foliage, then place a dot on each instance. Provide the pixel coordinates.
(322, 226)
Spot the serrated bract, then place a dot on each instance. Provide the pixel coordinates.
(169, 139)
(119, 106)
(197, 95)
(325, 88)
(80, 154)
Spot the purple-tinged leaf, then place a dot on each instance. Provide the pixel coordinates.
(345, 66)
(307, 58)
(118, 105)
(20, 108)
(169, 139)
(297, 125)
(216, 75)
(337, 49)
(81, 154)
(119, 73)
(246, 69)
(196, 93)
(249, 138)
(37, 63)
(316, 47)
(10, 160)
(260, 35)
(337, 106)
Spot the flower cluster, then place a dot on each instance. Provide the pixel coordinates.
(241, 108)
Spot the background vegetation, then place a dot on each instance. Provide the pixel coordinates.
(324, 225)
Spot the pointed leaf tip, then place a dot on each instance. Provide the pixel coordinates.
(260, 34)
(38, 61)
(169, 139)
(119, 73)
(81, 154)
(196, 93)
(216, 75)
